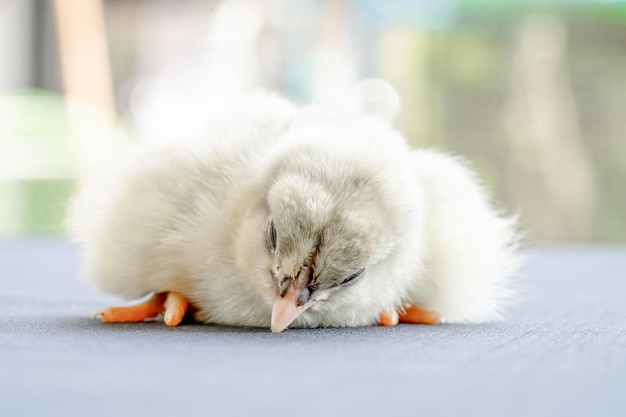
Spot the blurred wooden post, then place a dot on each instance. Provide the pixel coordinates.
(84, 53)
(88, 85)
(551, 177)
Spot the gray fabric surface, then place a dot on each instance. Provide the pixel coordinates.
(561, 352)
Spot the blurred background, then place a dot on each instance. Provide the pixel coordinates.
(532, 93)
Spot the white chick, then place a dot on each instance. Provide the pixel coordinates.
(308, 217)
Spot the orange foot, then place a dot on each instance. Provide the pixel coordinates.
(171, 304)
(409, 314)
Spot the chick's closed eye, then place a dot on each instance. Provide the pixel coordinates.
(352, 277)
(270, 237)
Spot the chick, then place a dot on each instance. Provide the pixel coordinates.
(302, 217)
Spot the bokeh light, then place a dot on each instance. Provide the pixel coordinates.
(531, 93)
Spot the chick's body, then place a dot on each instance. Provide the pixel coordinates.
(345, 197)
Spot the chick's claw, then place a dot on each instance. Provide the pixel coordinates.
(176, 306)
(172, 305)
(389, 318)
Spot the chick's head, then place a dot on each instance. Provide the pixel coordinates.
(328, 222)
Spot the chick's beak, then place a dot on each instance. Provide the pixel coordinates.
(289, 303)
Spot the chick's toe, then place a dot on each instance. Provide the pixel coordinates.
(176, 306)
(389, 318)
(417, 315)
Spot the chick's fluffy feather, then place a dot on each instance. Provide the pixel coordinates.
(191, 216)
